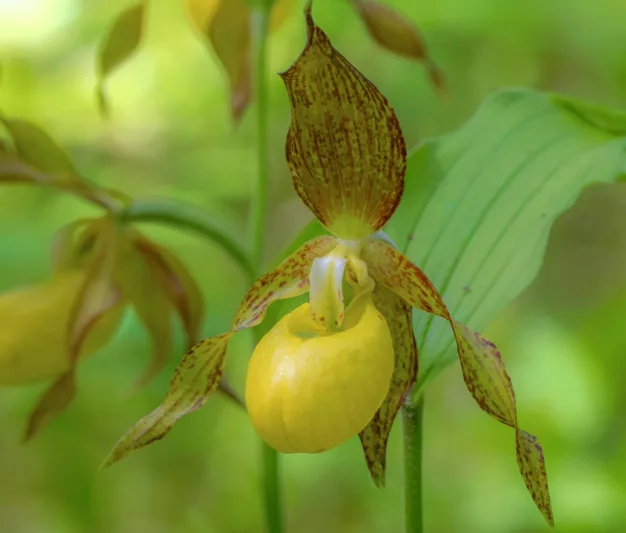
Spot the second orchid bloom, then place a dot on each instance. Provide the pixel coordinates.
(343, 363)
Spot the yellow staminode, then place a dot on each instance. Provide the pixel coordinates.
(308, 389)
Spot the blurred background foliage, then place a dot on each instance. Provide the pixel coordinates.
(170, 134)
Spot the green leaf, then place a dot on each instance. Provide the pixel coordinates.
(35, 147)
(119, 44)
(479, 203)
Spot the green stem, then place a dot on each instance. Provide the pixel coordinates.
(259, 207)
(413, 420)
(189, 216)
(270, 459)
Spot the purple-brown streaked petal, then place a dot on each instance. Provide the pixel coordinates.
(394, 270)
(398, 35)
(289, 279)
(374, 437)
(199, 373)
(344, 147)
(489, 383)
(97, 297)
(483, 370)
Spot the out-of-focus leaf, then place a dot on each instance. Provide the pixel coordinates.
(479, 203)
(227, 26)
(36, 148)
(119, 44)
(175, 279)
(143, 289)
(97, 297)
(398, 35)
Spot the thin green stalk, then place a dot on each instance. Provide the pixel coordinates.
(272, 498)
(188, 216)
(413, 421)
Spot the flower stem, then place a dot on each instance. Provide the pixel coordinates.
(413, 420)
(189, 216)
(270, 460)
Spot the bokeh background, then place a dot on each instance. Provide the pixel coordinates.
(563, 340)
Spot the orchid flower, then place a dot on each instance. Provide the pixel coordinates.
(343, 363)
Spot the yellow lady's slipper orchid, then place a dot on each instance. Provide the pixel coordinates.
(323, 373)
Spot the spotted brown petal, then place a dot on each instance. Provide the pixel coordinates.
(490, 385)
(97, 298)
(199, 373)
(374, 437)
(344, 147)
(398, 35)
(289, 279)
(483, 370)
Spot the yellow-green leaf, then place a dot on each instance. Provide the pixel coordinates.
(143, 289)
(36, 148)
(177, 282)
(227, 27)
(398, 35)
(118, 46)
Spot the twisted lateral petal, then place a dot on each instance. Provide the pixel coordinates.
(289, 279)
(398, 315)
(344, 147)
(199, 373)
(483, 370)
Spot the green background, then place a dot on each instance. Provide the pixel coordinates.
(170, 135)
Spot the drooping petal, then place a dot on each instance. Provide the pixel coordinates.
(97, 297)
(398, 35)
(398, 315)
(490, 385)
(198, 374)
(483, 370)
(120, 43)
(344, 147)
